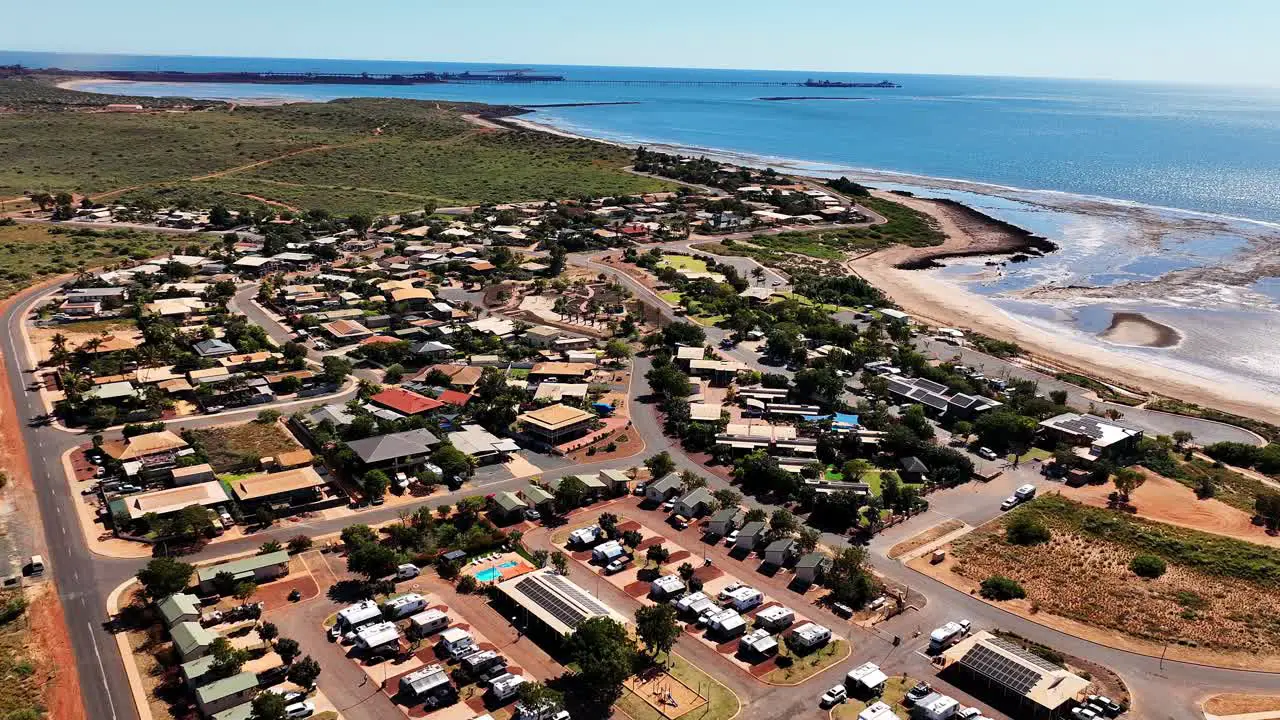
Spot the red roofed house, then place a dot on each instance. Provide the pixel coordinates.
(405, 402)
(378, 339)
(454, 397)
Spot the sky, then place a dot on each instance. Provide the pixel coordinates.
(1227, 41)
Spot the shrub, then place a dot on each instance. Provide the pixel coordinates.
(1026, 529)
(467, 584)
(999, 587)
(1148, 566)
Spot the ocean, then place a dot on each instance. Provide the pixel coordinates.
(1162, 197)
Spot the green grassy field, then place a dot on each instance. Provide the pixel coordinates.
(806, 666)
(683, 262)
(31, 252)
(368, 155)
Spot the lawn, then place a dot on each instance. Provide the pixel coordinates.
(671, 296)
(683, 262)
(1034, 453)
(236, 447)
(29, 253)
(804, 667)
(895, 689)
(709, 320)
(722, 703)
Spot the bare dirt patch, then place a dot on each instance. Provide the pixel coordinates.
(1168, 501)
(231, 447)
(1239, 704)
(924, 538)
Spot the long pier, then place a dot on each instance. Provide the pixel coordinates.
(499, 77)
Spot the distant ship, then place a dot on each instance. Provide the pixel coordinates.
(839, 84)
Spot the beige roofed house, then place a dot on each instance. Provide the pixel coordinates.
(411, 293)
(392, 285)
(561, 369)
(556, 423)
(146, 376)
(246, 359)
(169, 500)
(176, 306)
(263, 485)
(140, 446)
(206, 373)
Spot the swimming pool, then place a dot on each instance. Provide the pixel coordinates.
(492, 574)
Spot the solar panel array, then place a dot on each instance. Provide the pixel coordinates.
(1084, 426)
(1019, 675)
(549, 601)
(572, 591)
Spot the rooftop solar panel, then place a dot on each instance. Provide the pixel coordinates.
(549, 601)
(1001, 669)
(571, 591)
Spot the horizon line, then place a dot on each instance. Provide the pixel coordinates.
(1096, 79)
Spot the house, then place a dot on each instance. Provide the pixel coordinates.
(556, 424)
(616, 482)
(694, 503)
(751, 535)
(554, 602)
(664, 488)
(402, 451)
(151, 449)
(482, 445)
(346, 331)
(432, 349)
(726, 624)
(779, 552)
(810, 567)
(254, 265)
(1093, 438)
(280, 490)
(258, 569)
(665, 587)
(167, 501)
(912, 470)
(809, 637)
(535, 496)
(724, 521)
(719, 372)
(191, 640)
(508, 506)
(562, 371)
(542, 336)
(405, 402)
(1017, 680)
(179, 608)
(226, 693)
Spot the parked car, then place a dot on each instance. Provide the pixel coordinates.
(407, 571)
(1009, 503)
(618, 565)
(300, 710)
(639, 489)
(987, 453)
(669, 505)
(1111, 707)
(1084, 713)
(969, 713)
(731, 539)
(918, 692)
(680, 522)
(836, 695)
(532, 514)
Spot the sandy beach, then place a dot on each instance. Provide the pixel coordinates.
(934, 300)
(1138, 330)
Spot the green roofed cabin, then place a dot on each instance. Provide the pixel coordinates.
(190, 640)
(243, 711)
(259, 569)
(179, 607)
(227, 693)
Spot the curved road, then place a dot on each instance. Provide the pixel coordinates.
(85, 579)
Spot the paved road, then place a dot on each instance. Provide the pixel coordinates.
(85, 579)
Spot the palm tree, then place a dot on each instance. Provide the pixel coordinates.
(92, 345)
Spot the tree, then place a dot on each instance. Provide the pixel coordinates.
(686, 572)
(1181, 438)
(245, 590)
(360, 223)
(657, 554)
(570, 494)
(691, 481)
(999, 587)
(269, 547)
(164, 576)
(854, 470)
(782, 523)
(268, 631)
(336, 369)
(755, 515)
(849, 580)
(617, 350)
(373, 560)
(727, 497)
(808, 540)
(299, 543)
(667, 381)
(376, 483)
(962, 429)
(393, 374)
(1126, 481)
(537, 696)
(1148, 566)
(1026, 529)
(560, 562)
(1058, 397)
(453, 463)
(266, 417)
(305, 672)
(268, 706)
(606, 656)
(608, 523)
(1267, 506)
(227, 659)
(657, 627)
(632, 538)
(287, 649)
(660, 465)
(353, 536)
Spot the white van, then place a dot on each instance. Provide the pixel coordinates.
(1025, 492)
(407, 571)
(36, 565)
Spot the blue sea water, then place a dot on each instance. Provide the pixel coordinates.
(1141, 186)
